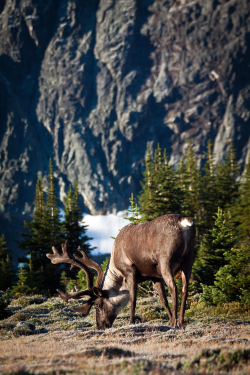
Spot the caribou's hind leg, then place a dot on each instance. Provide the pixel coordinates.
(186, 269)
(168, 277)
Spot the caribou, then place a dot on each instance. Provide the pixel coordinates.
(155, 251)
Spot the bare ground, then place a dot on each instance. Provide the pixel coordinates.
(215, 341)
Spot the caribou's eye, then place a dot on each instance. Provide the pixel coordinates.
(98, 306)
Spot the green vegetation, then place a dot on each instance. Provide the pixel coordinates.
(224, 311)
(47, 229)
(42, 233)
(215, 197)
(241, 208)
(219, 205)
(21, 286)
(217, 359)
(72, 228)
(134, 217)
(211, 255)
(53, 314)
(80, 282)
(4, 303)
(160, 191)
(232, 280)
(190, 183)
(7, 276)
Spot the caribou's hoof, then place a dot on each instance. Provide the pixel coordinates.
(173, 323)
(181, 325)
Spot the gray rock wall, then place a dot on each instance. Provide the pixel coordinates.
(89, 83)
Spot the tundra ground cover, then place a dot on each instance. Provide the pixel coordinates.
(45, 336)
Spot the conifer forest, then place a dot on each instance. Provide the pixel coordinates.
(217, 198)
(41, 334)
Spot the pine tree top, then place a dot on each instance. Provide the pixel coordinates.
(3, 248)
(241, 210)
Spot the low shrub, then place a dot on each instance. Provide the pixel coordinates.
(5, 300)
(231, 310)
(217, 359)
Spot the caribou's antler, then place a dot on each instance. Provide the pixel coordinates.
(66, 257)
(90, 263)
(82, 263)
(75, 295)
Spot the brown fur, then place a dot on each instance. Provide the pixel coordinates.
(155, 251)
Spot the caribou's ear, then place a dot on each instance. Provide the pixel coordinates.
(97, 292)
(85, 308)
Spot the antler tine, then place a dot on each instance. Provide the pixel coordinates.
(66, 257)
(75, 295)
(65, 250)
(85, 308)
(90, 263)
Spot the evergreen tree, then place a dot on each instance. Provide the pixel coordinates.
(105, 264)
(43, 232)
(190, 185)
(4, 303)
(35, 278)
(3, 248)
(211, 255)
(73, 227)
(7, 275)
(232, 281)
(134, 211)
(35, 240)
(52, 216)
(241, 209)
(226, 179)
(39, 201)
(160, 191)
(168, 197)
(209, 195)
(21, 286)
(64, 279)
(147, 195)
(80, 282)
(46, 230)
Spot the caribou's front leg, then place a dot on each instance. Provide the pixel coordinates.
(132, 287)
(159, 286)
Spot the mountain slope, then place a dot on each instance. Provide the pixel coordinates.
(89, 83)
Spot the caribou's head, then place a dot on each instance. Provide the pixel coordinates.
(107, 303)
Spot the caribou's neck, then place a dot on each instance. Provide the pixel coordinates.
(112, 280)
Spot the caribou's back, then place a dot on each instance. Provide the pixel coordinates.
(168, 239)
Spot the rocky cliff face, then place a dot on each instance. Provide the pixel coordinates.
(89, 83)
